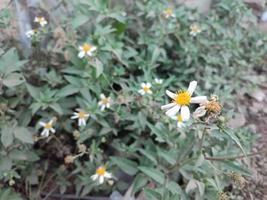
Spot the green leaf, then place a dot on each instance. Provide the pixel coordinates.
(79, 20)
(168, 156)
(235, 139)
(236, 168)
(56, 107)
(139, 182)
(7, 136)
(67, 91)
(149, 155)
(8, 194)
(34, 91)
(98, 66)
(23, 134)
(152, 194)
(128, 166)
(23, 155)
(153, 173)
(5, 164)
(13, 80)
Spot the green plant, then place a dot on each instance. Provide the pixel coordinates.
(130, 136)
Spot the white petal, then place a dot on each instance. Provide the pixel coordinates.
(83, 122)
(86, 115)
(173, 111)
(143, 85)
(102, 96)
(167, 106)
(42, 123)
(149, 92)
(74, 117)
(81, 54)
(89, 53)
(101, 179)
(198, 99)
(45, 133)
(94, 177)
(180, 124)
(93, 49)
(170, 94)
(102, 107)
(80, 48)
(108, 105)
(192, 87)
(148, 85)
(52, 130)
(108, 175)
(142, 92)
(185, 113)
(79, 122)
(199, 112)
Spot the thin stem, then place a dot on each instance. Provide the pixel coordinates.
(233, 157)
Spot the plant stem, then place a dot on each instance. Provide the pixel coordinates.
(233, 157)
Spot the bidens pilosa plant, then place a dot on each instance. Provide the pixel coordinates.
(86, 114)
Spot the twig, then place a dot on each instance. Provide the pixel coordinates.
(233, 157)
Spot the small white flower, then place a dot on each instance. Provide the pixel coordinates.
(81, 116)
(48, 127)
(168, 13)
(145, 89)
(31, 33)
(179, 119)
(86, 49)
(101, 174)
(40, 20)
(158, 81)
(194, 30)
(104, 102)
(181, 101)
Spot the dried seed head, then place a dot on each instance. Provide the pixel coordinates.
(222, 196)
(213, 107)
(82, 148)
(76, 134)
(69, 159)
(238, 180)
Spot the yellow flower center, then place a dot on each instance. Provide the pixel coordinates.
(146, 89)
(86, 47)
(104, 101)
(168, 12)
(40, 19)
(182, 98)
(81, 114)
(100, 171)
(48, 126)
(194, 28)
(179, 118)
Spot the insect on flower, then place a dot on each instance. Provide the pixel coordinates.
(194, 30)
(181, 100)
(145, 89)
(86, 49)
(47, 128)
(40, 20)
(101, 174)
(158, 81)
(104, 102)
(31, 33)
(81, 116)
(168, 13)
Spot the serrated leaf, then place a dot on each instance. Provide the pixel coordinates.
(153, 173)
(138, 183)
(34, 91)
(150, 155)
(67, 91)
(152, 194)
(23, 134)
(128, 166)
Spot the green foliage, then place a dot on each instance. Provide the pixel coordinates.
(132, 138)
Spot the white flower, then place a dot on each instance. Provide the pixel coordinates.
(48, 127)
(40, 20)
(101, 174)
(31, 33)
(86, 49)
(168, 13)
(179, 119)
(158, 81)
(81, 116)
(181, 101)
(194, 30)
(104, 102)
(145, 89)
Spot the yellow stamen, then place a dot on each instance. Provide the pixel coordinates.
(40, 19)
(194, 28)
(48, 126)
(104, 101)
(182, 98)
(100, 171)
(146, 89)
(168, 12)
(81, 114)
(86, 47)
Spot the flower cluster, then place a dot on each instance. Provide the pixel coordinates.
(33, 32)
(146, 87)
(180, 103)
